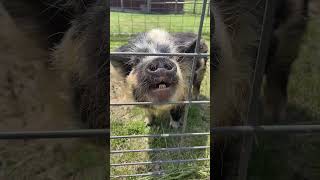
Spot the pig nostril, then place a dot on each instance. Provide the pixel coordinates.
(157, 67)
(168, 67)
(152, 68)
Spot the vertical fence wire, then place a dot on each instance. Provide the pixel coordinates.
(197, 50)
(257, 77)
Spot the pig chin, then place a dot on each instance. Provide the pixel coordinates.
(161, 93)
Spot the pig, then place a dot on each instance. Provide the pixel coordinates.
(80, 60)
(161, 78)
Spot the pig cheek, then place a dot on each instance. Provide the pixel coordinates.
(132, 79)
(135, 80)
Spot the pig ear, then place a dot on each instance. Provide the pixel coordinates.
(121, 63)
(191, 47)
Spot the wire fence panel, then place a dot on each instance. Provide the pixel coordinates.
(127, 19)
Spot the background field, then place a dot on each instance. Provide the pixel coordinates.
(130, 120)
(295, 157)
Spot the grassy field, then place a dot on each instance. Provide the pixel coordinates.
(295, 157)
(125, 24)
(130, 120)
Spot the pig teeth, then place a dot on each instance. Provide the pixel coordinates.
(162, 86)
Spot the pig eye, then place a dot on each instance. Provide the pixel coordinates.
(136, 61)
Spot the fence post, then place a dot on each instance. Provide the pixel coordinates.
(176, 7)
(208, 10)
(121, 1)
(148, 6)
(194, 6)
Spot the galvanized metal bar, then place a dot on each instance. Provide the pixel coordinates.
(197, 51)
(148, 6)
(160, 149)
(121, 2)
(155, 173)
(132, 34)
(175, 3)
(158, 54)
(175, 6)
(81, 133)
(160, 135)
(270, 129)
(194, 6)
(208, 10)
(157, 103)
(279, 129)
(203, 12)
(161, 162)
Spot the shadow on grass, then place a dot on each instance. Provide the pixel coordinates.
(287, 157)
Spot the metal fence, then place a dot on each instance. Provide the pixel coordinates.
(248, 129)
(159, 6)
(188, 102)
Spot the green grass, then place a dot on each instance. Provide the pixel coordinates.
(125, 24)
(130, 121)
(280, 157)
(136, 22)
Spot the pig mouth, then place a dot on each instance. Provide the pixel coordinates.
(162, 91)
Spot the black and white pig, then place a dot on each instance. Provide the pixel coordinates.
(161, 78)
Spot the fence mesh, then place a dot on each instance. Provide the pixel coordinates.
(170, 155)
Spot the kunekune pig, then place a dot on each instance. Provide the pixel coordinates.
(161, 78)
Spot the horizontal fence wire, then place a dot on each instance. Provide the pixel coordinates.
(157, 103)
(132, 34)
(160, 162)
(155, 173)
(185, 2)
(161, 149)
(285, 129)
(54, 134)
(159, 54)
(159, 135)
(175, 8)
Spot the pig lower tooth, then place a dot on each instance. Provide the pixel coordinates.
(162, 86)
